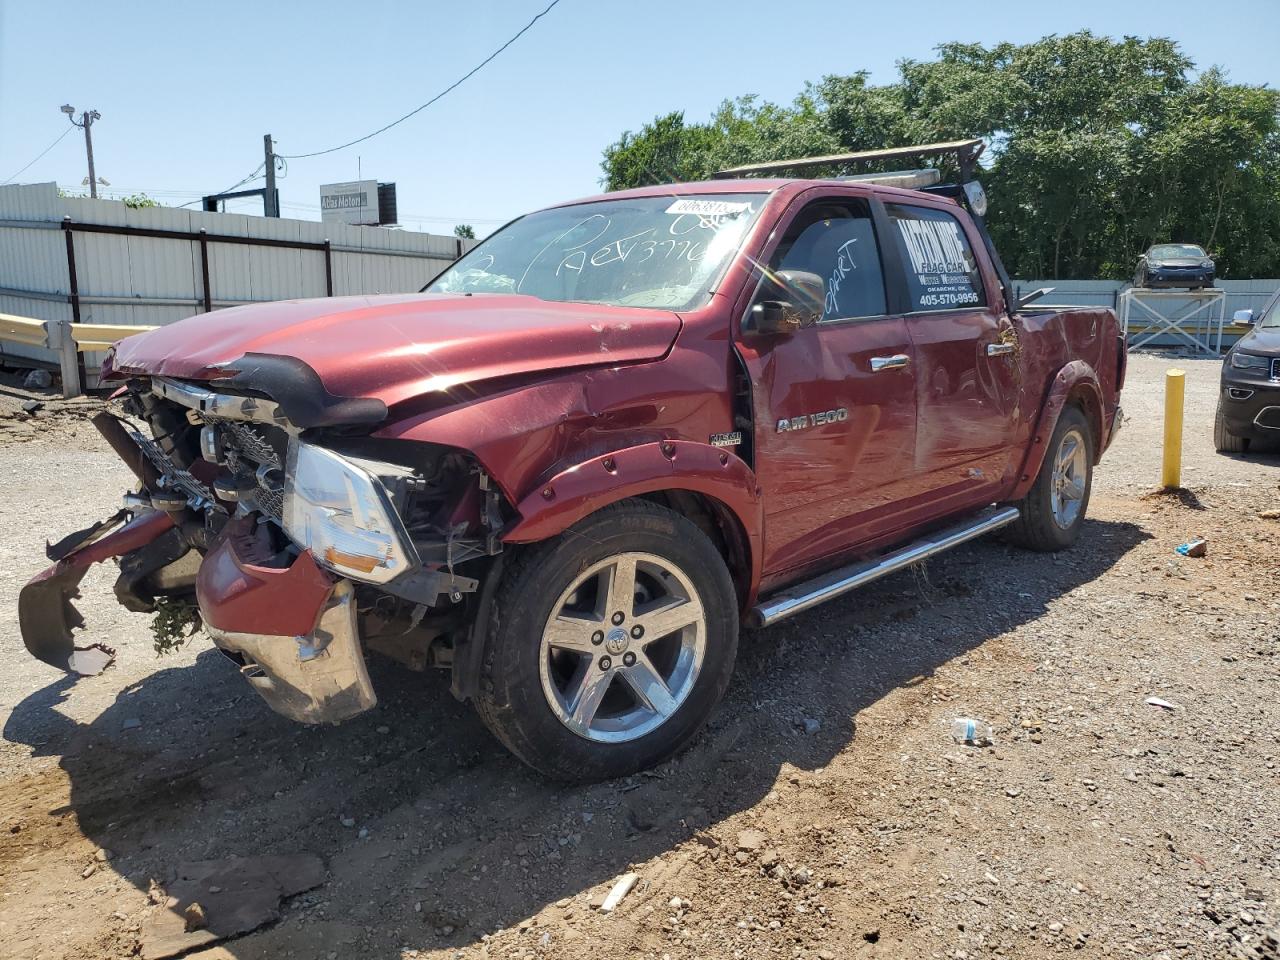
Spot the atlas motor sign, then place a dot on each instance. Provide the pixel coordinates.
(355, 202)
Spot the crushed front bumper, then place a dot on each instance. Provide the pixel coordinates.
(46, 616)
(292, 629)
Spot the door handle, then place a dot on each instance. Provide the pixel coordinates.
(999, 349)
(896, 362)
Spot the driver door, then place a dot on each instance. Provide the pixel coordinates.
(835, 399)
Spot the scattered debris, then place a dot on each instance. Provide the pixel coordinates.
(971, 732)
(1193, 548)
(1163, 704)
(1270, 514)
(32, 406)
(130, 723)
(251, 891)
(811, 726)
(194, 917)
(620, 889)
(91, 660)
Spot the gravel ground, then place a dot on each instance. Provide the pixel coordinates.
(825, 813)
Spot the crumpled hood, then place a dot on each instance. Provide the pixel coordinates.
(393, 348)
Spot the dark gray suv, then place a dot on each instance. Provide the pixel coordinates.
(1249, 403)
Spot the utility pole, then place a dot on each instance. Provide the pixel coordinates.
(86, 121)
(270, 199)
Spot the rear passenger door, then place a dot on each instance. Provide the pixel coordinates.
(965, 354)
(835, 399)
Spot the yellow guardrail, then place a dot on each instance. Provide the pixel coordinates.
(67, 339)
(88, 336)
(23, 330)
(102, 335)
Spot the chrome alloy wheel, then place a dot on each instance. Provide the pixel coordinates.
(623, 647)
(1070, 474)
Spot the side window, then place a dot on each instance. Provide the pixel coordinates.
(837, 243)
(939, 266)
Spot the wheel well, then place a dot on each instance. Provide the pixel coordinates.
(1084, 397)
(721, 526)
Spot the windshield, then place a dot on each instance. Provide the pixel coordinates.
(1272, 316)
(1170, 250)
(662, 252)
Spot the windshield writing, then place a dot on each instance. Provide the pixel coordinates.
(658, 252)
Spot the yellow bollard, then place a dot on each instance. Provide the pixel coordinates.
(1175, 381)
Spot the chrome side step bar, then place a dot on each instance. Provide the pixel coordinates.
(805, 596)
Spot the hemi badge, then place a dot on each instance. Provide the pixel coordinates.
(726, 439)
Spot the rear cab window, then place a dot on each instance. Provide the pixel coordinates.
(939, 267)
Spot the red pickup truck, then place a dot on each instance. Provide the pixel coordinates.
(598, 443)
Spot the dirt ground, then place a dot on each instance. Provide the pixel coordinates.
(825, 813)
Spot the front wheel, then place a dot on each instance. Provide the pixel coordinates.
(1053, 511)
(609, 646)
(1224, 441)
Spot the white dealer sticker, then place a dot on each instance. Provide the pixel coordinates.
(708, 208)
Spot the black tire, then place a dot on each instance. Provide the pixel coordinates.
(512, 702)
(1224, 441)
(1037, 526)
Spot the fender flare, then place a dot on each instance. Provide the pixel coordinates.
(577, 491)
(1073, 379)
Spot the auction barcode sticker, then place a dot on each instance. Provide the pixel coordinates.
(709, 208)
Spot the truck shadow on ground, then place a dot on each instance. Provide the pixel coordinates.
(432, 834)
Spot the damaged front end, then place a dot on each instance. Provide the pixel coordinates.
(300, 547)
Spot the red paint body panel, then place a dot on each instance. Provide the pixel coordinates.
(569, 496)
(137, 533)
(1075, 379)
(397, 348)
(239, 596)
(832, 483)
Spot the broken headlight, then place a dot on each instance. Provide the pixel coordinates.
(343, 515)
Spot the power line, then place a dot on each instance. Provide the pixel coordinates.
(238, 183)
(453, 86)
(41, 154)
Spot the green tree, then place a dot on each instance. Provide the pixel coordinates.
(464, 231)
(1096, 147)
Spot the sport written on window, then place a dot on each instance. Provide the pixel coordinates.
(941, 270)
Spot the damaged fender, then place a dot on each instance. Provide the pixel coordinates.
(46, 615)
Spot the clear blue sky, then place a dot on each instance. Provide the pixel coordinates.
(187, 90)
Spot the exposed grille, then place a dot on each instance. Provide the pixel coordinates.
(1275, 369)
(174, 476)
(259, 451)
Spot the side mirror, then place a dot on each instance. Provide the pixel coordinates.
(772, 318)
(803, 308)
(1243, 316)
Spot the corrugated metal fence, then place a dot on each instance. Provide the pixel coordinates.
(96, 261)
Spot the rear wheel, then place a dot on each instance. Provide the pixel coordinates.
(1053, 511)
(610, 645)
(1223, 439)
